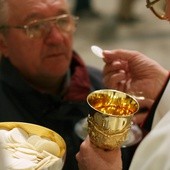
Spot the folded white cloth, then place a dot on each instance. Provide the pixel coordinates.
(153, 152)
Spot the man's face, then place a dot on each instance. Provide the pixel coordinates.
(47, 57)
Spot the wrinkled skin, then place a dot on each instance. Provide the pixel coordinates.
(136, 74)
(168, 9)
(42, 61)
(92, 158)
(131, 71)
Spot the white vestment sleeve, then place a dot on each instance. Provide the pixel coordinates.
(163, 106)
(153, 152)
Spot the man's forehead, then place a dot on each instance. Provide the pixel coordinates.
(22, 9)
(30, 2)
(15, 4)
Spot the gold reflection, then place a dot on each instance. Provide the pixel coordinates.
(112, 102)
(110, 117)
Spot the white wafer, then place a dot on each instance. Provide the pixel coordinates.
(24, 152)
(48, 146)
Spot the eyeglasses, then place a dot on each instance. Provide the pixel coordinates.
(40, 28)
(158, 7)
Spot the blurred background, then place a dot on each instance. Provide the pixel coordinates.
(101, 26)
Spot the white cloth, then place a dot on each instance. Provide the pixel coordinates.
(163, 106)
(154, 151)
(1, 159)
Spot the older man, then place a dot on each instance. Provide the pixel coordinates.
(42, 80)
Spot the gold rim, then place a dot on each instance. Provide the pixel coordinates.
(150, 5)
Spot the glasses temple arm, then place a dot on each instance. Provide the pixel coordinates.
(149, 4)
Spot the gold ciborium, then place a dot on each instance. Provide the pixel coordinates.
(41, 154)
(110, 116)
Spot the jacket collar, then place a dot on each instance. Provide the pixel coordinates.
(77, 83)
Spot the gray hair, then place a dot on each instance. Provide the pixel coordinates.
(3, 12)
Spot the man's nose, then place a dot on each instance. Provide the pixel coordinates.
(54, 35)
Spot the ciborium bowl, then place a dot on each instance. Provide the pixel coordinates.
(32, 140)
(110, 116)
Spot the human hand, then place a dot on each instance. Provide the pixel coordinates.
(131, 71)
(167, 10)
(140, 117)
(91, 157)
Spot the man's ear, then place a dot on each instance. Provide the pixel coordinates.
(3, 45)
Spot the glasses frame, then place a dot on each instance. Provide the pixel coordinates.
(26, 27)
(150, 6)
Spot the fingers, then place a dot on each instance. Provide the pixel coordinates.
(145, 106)
(139, 118)
(146, 103)
(167, 10)
(91, 157)
(83, 157)
(110, 55)
(116, 66)
(115, 80)
(114, 77)
(115, 73)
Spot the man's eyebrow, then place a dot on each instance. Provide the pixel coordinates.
(33, 16)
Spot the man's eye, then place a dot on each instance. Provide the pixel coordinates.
(37, 26)
(63, 22)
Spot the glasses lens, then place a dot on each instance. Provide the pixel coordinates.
(36, 30)
(158, 7)
(64, 23)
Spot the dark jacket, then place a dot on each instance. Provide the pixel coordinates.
(20, 102)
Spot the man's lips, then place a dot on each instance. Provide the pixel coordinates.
(55, 55)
